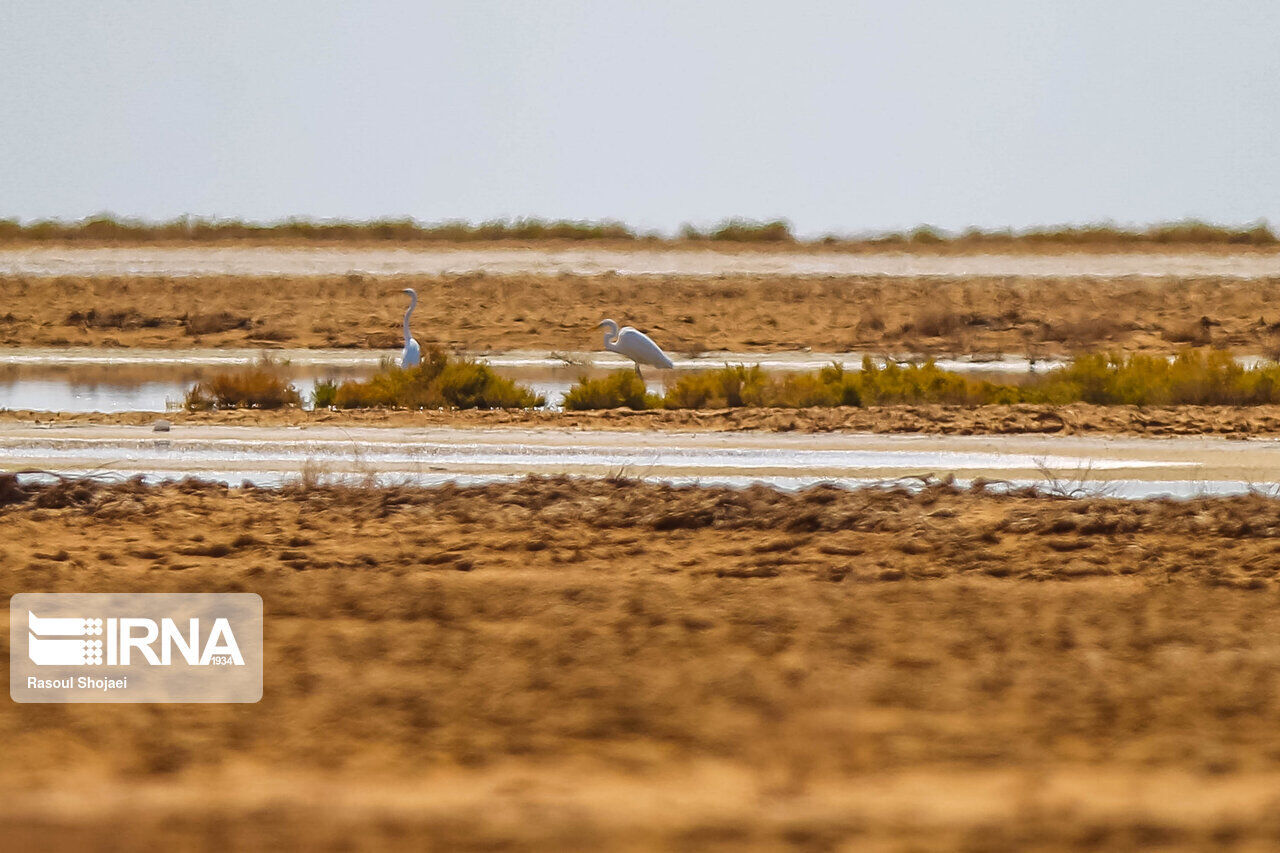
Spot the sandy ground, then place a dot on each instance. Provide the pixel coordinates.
(1022, 315)
(595, 260)
(1074, 419)
(624, 666)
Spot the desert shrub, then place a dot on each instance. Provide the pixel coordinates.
(262, 385)
(325, 394)
(1187, 232)
(621, 389)
(438, 382)
(1193, 231)
(935, 321)
(1193, 377)
(108, 228)
(727, 387)
(880, 384)
(926, 235)
(830, 386)
(469, 385)
(125, 319)
(212, 324)
(748, 231)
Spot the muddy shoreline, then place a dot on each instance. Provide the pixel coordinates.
(640, 665)
(1026, 419)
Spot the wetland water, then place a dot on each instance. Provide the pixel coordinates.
(384, 261)
(270, 456)
(80, 379)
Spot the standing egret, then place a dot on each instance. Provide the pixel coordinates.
(412, 355)
(634, 344)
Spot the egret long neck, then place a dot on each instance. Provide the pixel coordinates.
(412, 304)
(609, 335)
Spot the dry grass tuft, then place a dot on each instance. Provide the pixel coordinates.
(262, 385)
(212, 324)
(114, 319)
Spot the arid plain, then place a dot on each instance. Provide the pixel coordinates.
(624, 664)
(1026, 315)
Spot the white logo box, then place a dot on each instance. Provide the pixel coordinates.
(135, 647)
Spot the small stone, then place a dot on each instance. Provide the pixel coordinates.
(161, 425)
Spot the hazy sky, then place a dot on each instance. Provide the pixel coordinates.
(840, 116)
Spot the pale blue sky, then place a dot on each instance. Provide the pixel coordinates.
(842, 116)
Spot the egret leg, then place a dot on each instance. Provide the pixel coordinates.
(638, 373)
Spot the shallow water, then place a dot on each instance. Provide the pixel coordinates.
(271, 456)
(321, 361)
(457, 452)
(1118, 488)
(82, 379)
(382, 261)
(52, 391)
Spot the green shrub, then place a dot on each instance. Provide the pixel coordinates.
(880, 385)
(107, 228)
(830, 386)
(727, 387)
(438, 382)
(926, 235)
(748, 231)
(325, 394)
(262, 385)
(469, 385)
(621, 389)
(1194, 377)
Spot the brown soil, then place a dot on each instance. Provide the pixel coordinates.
(610, 664)
(1074, 419)
(1032, 316)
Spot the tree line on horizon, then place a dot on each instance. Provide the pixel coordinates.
(110, 229)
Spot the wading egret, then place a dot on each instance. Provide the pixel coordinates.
(412, 354)
(634, 344)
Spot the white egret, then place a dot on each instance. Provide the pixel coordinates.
(412, 355)
(634, 344)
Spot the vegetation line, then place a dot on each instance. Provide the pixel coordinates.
(108, 229)
(1194, 377)
(439, 382)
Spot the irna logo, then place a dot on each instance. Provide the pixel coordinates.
(135, 647)
(75, 641)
